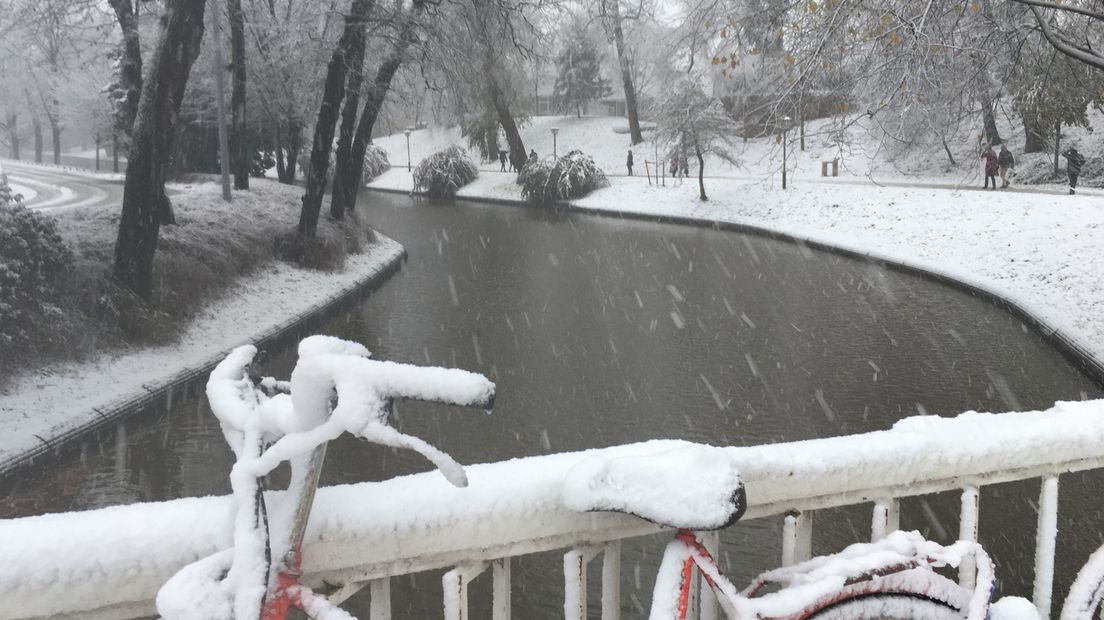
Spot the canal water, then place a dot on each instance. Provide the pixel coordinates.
(601, 331)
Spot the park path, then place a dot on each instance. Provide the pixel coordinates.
(47, 187)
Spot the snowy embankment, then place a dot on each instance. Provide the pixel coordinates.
(43, 404)
(120, 556)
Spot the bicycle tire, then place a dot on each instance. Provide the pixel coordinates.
(887, 606)
(1087, 591)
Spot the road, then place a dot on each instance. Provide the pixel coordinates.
(47, 187)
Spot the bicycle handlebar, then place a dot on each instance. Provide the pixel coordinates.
(301, 412)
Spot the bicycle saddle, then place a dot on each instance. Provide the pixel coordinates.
(695, 487)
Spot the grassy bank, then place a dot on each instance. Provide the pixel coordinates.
(200, 259)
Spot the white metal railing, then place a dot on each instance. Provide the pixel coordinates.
(89, 564)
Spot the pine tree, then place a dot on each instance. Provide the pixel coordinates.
(580, 70)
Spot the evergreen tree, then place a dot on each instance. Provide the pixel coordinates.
(580, 70)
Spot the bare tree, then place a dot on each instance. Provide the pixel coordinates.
(155, 122)
(333, 93)
(1058, 23)
(241, 157)
(349, 168)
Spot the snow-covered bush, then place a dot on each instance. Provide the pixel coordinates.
(375, 163)
(444, 172)
(1036, 168)
(32, 254)
(572, 176)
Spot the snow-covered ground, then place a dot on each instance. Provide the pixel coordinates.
(62, 397)
(1042, 250)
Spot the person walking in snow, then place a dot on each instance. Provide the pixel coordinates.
(532, 155)
(629, 162)
(502, 160)
(991, 167)
(1074, 161)
(1006, 163)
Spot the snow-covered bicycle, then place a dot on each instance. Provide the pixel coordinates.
(334, 389)
(697, 488)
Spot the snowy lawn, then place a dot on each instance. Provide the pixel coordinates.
(219, 287)
(1040, 250)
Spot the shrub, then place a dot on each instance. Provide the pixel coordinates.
(32, 255)
(572, 176)
(375, 163)
(444, 172)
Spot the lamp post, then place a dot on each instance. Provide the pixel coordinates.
(407, 132)
(785, 126)
(555, 130)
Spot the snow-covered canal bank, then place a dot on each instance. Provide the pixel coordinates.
(601, 331)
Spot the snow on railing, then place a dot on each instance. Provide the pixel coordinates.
(111, 562)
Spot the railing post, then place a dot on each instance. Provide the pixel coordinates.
(968, 530)
(712, 543)
(797, 537)
(379, 607)
(575, 590)
(455, 584)
(501, 602)
(611, 581)
(886, 519)
(1045, 537)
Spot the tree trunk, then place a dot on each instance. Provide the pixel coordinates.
(801, 123)
(38, 140)
(347, 180)
(97, 153)
(992, 136)
(1034, 136)
(947, 149)
(115, 151)
(295, 134)
(701, 171)
(240, 155)
(343, 185)
(130, 65)
(332, 94)
(13, 134)
(55, 138)
(1057, 140)
(635, 136)
(278, 146)
(155, 122)
(506, 119)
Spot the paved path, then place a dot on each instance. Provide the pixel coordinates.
(47, 187)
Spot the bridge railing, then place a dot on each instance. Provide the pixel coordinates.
(110, 563)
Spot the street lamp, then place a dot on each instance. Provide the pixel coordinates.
(785, 126)
(555, 130)
(407, 132)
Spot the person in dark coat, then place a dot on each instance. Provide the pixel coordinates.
(1006, 162)
(502, 160)
(1074, 161)
(991, 167)
(629, 162)
(533, 155)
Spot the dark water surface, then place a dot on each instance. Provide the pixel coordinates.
(602, 331)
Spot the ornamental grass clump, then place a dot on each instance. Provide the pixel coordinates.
(440, 175)
(572, 176)
(375, 163)
(32, 255)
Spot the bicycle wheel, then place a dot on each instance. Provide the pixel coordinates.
(1084, 599)
(888, 606)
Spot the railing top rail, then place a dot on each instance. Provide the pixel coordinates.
(119, 556)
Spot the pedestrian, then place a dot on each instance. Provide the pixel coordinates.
(1006, 162)
(990, 167)
(1074, 161)
(502, 160)
(533, 155)
(674, 165)
(629, 162)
